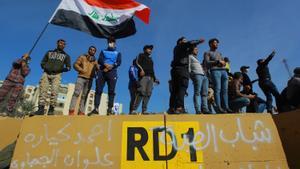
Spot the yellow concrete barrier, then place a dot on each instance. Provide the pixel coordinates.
(247, 141)
(288, 125)
(9, 130)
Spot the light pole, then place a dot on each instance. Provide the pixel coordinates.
(287, 67)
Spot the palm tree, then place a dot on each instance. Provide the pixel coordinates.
(27, 107)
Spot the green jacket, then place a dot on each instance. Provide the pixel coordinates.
(56, 61)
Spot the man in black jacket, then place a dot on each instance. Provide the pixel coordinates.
(146, 79)
(180, 74)
(265, 82)
(54, 63)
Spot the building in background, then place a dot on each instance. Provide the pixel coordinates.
(31, 94)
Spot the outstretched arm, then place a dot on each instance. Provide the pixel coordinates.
(269, 58)
(192, 43)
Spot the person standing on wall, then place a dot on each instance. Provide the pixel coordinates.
(14, 83)
(265, 82)
(86, 66)
(216, 65)
(133, 83)
(200, 82)
(180, 74)
(54, 63)
(146, 79)
(109, 60)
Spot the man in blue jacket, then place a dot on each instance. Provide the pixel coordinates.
(109, 60)
(133, 83)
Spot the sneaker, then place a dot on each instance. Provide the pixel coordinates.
(170, 111)
(180, 111)
(207, 112)
(133, 112)
(145, 113)
(229, 110)
(81, 114)
(198, 112)
(71, 112)
(220, 111)
(94, 112)
(51, 111)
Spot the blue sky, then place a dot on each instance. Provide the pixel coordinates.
(247, 29)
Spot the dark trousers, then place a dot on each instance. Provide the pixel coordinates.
(269, 89)
(132, 90)
(143, 93)
(179, 82)
(111, 79)
(15, 89)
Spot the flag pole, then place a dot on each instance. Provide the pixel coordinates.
(38, 39)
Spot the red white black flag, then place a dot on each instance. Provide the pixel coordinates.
(101, 18)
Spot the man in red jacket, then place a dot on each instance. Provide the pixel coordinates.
(14, 83)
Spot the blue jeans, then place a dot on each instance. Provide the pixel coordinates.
(220, 84)
(269, 89)
(238, 103)
(200, 91)
(261, 107)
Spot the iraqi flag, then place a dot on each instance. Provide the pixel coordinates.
(101, 18)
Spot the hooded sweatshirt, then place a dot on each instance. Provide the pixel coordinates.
(55, 61)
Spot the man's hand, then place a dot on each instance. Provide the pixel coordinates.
(108, 66)
(65, 69)
(97, 66)
(157, 81)
(23, 63)
(142, 73)
(202, 40)
(82, 71)
(105, 70)
(273, 52)
(222, 62)
(251, 96)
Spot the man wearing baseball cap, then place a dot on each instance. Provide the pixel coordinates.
(147, 77)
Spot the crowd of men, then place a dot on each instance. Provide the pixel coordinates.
(216, 89)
